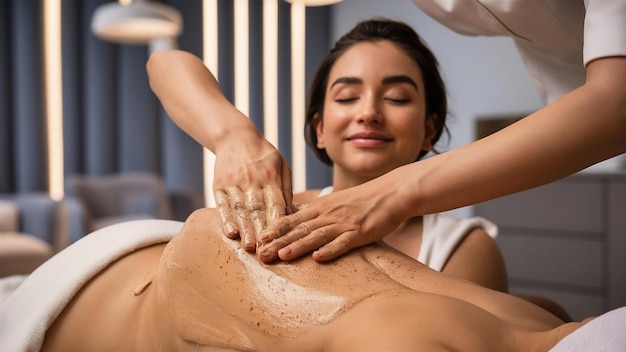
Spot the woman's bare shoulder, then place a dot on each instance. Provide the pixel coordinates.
(478, 259)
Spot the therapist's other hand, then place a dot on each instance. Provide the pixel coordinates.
(252, 187)
(332, 225)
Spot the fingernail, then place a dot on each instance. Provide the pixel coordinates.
(266, 255)
(285, 253)
(230, 228)
(318, 255)
(250, 247)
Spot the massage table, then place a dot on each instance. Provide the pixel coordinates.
(36, 300)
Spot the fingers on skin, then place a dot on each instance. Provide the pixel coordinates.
(255, 199)
(259, 223)
(287, 190)
(246, 231)
(223, 207)
(336, 248)
(327, 242)
(257, 208)
(245, 214)
(258, 219)
(269, 251)
(279, 228)
(274, 203)
(284, 225)
(330, 242)
(239, 206)
(237, 201)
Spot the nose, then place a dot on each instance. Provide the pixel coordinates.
(369, 112)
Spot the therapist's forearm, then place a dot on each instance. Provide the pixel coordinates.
(192, 97)
(584, 127)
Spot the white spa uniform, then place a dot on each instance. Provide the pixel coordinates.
(442, 233)
(549, 34)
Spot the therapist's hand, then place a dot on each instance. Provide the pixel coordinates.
(252, 187)
(332, 225)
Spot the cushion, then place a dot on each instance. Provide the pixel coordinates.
(21, 253)
(9, 218)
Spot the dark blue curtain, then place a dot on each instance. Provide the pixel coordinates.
(23, 153)
(7, 155)
(113, 123)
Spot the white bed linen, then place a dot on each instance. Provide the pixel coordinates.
(606, 333)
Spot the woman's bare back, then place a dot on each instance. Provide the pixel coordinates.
(206, 291)
(281, 303)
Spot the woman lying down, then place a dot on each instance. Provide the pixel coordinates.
(152, 285)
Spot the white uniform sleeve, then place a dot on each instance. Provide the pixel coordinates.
(605, 29)
(442, 233)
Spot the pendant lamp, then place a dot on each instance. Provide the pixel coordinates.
(139, 22)
(313, 3)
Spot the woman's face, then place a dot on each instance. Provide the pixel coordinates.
(374, 112)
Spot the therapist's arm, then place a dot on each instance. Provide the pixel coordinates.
(252, 183)
(584, 127)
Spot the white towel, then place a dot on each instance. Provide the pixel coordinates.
(9, 284)
(606, 333)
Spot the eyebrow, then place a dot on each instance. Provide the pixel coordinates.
(400, 79)
(386, 80)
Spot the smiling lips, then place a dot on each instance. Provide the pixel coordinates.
(368, 139)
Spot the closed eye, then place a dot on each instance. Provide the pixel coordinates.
(346, 100)
(398, 100)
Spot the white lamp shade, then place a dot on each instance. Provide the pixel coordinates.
(312, 3)
(137, 23)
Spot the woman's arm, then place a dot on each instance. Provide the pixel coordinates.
(252, 183)
(584, 127)
(479, 260)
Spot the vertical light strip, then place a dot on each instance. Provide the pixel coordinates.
(270, 71)
(241, 53)
(53, 96)
(298, 88)
(210, 57)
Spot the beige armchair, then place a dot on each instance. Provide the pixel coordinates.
(119, 197)
(20, 253)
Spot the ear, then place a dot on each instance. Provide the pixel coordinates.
(319, 130)
(429, 132)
